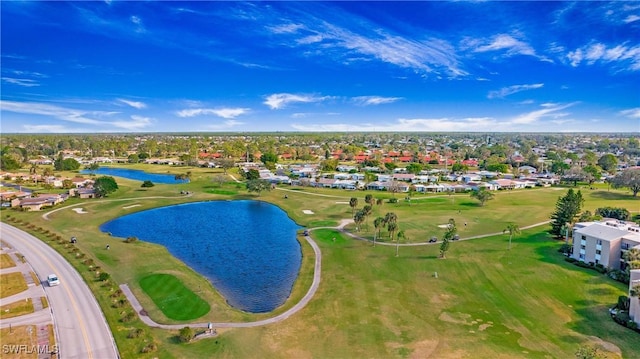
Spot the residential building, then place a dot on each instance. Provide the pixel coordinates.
(634, 307)
(605, 242)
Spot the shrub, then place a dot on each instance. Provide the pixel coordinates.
(135, 333)
(146, 184)
(393, 200)
(149, 348)
(103, 276)
(570, 260)
(128, 317)
(131, 239)
(186, 334)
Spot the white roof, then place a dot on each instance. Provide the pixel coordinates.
(602, 231)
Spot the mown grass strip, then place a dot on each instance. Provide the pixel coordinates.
(174, 299)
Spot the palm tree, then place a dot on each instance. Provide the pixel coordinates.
(367, 212)
(513, 229)
(391, 227)
(378, 223)
(632, 257)
(359, 217)
(401, 235)
(353, 203)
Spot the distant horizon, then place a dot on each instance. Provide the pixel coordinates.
(320, 67)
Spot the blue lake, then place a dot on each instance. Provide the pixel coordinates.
(247, 249)
(137, 175)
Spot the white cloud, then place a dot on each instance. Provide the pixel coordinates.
(46, 128)
(137, 21)
(631, 18)
(225, 125)
(220, 112)
(633, 113)
(549, 110)
(406, 125)
(280, 100)
(509, 43)
(374, 100)
(138, 123)
(365, 41)
(87, 117)
(135, 104)
(286, 28)
(21, 82)
(506, 91)
(620, 56)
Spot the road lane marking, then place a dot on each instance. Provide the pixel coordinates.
(73, 302)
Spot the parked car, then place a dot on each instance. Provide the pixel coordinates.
(53, 280)
(433, 239)
(455, 237)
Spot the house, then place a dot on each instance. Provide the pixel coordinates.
(37, 203)
(527, 169)
(605, 242)
(83, 193)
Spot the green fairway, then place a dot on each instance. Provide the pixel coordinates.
(174, 299)
(487, 301)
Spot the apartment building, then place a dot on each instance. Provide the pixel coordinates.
(634, 307)
(605, 242)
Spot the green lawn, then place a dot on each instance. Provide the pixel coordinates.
(486, 301)
(174, 299)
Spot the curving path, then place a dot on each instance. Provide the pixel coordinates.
(297, 307)
(46, 215)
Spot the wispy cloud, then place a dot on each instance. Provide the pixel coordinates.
(21, 82)
(633, 113)
(137, 21)
(359, 39)
(506, 91)
(504, 42)
(226, 125)
(406, 125)
(549, 110)
(86, 117)
(623, 56)
(281, 100)
(220, 112)
(135, 104)
(374, 100)
(631, 18)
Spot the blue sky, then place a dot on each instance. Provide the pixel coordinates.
(473, 66)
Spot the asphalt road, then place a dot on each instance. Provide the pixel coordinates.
(81, 328)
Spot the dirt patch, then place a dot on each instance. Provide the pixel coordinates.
(456, 318)
(609, 347)
(307, 211)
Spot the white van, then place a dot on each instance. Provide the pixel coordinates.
(53, 280)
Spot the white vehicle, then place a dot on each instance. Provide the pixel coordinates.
(53, 280)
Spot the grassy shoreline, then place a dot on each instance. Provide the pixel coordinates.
(371, 303)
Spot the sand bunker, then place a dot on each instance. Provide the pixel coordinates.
(306, 211)
(339, 202)
(443, 226)
(131, 206)
(79, 210)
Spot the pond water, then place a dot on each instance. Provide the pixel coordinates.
(137, 175)
(247, 249)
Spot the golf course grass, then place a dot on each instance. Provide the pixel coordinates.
(485, 301)
(174, 299)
